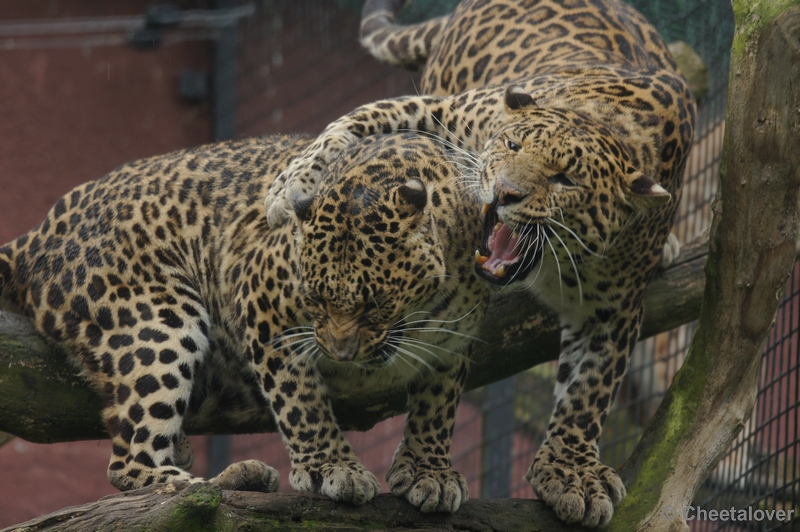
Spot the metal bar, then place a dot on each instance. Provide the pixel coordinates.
(95, 41)
(218, 454)
(224, 74)
(217, 18)
(499, 425)
(224, 78)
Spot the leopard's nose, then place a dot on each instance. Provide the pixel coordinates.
(507, 194)
(342, 345)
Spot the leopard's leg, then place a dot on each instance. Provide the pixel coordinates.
(421, 470)
(443, 117)
(147, 382)
(146, 370)
(322, 459)
(184, 457)
(567, 472)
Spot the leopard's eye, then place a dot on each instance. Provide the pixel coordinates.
(561, 179)
(315, 298)
(372, 306)
(511, 145)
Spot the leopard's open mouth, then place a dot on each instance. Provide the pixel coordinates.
(505, 255)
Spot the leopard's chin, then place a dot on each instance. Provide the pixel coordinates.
(506, 256)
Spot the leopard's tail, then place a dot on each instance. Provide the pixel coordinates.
(405, 46)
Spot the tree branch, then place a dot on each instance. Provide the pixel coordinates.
(205, 506)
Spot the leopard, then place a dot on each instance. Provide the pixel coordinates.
(574, 124)
(174, 298)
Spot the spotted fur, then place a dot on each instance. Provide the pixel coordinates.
(165, 283)
(577, 125)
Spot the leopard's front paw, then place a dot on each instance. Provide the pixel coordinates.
(275, 204)
(248, 475)
(583, 494)
(430, 490)
(301, 178)
(343, 481)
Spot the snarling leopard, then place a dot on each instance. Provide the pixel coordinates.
(175, 298)
(575, 126)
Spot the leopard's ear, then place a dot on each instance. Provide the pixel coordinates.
(517, 98)
(412, 195)
(302, 207)
(643, 192)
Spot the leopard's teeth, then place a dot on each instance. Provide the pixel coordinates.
(500, 272)
(485, 209)
(515, 234)
(480, 259)
(497, 226)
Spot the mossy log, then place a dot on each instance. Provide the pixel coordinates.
(205, 507)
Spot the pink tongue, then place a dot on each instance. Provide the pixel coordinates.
(504, 245)
(503, 249)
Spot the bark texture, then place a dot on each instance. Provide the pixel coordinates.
(205, 507)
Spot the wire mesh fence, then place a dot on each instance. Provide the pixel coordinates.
(760, 471)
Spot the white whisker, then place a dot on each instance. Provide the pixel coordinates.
(401, 341)
(558, 267)
(414, 356)
(296, 345)
(422, 344)
(456, 320)
(539, 233)
(574, 266)
(448, 331)
(579, 240)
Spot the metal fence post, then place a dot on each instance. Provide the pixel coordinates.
(224, 72)
(497, 451)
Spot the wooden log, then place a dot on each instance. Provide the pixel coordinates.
(205, 507)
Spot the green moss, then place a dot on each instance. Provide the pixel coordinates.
(682, 403)
(752, 15)
(194, 510)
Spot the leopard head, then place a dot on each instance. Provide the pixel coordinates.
(554, 181)
(369, 247)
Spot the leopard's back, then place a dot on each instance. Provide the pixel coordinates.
(159, 221)
(139, 276)
(492, 43)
